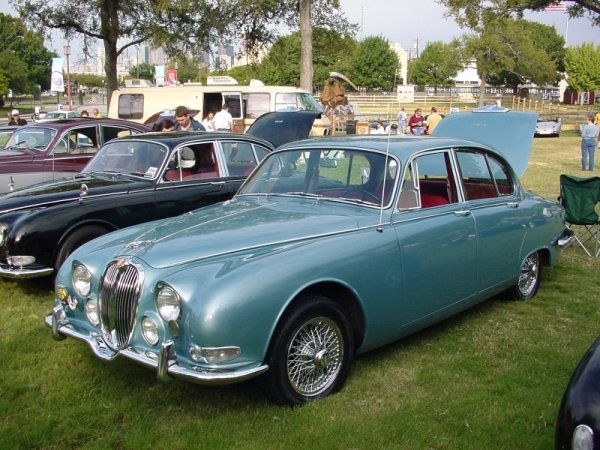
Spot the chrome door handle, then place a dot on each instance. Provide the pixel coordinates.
(513, 204)
(462, 212)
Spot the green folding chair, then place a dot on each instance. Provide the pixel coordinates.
(580, 198)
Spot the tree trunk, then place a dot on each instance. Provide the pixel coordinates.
(109, 21)
(482, 86)
(306, 64)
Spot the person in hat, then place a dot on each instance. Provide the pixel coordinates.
(185, 122)
(15, 118)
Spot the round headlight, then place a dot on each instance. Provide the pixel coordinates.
(150, 331)
(81, 280)
(168, 303)
(91, 310)
(583, 438)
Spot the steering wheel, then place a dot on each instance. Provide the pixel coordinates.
(364, 194)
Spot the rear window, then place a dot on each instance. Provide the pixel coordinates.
(131, 106)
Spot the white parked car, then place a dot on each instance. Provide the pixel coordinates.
(56, 115)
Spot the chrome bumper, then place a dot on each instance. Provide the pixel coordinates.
(20, 273)
(165, 364)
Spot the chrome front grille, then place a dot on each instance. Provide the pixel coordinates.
(118, 299)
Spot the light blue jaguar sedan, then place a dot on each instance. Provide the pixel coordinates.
(332, 247)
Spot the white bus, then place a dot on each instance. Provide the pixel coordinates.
(245, 103)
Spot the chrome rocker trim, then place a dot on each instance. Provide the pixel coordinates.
(165, 364)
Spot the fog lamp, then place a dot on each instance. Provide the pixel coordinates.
(91, 309)
(20, 261)
(150, 331)
(81, 279)
(583, 438)
(215, 355)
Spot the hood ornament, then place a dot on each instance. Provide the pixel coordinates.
(137, 244)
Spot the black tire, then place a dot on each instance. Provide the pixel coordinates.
(310, 354)
(75, 240)
(529, 277)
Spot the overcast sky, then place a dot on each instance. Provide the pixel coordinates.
(414, 23)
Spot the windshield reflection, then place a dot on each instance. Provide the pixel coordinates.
(32, 138)
(351, 176)
(139, 158)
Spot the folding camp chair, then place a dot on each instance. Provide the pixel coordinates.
(579, 197)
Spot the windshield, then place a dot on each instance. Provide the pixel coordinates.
(33, 138)
(355, 176)
(139, 158)
(296, 101)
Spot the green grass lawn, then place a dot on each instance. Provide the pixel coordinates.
(490, 378)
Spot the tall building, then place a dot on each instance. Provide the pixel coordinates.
(403, 57)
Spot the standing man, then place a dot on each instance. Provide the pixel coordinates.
(589, 138)
(223, 120)
(432, 120)
(15, 119)
(185, 122)
(402, 118)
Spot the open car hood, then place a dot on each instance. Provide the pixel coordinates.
(508, 132)
(281, 127)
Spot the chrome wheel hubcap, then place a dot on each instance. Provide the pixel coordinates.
(529, 274)
(315, 356)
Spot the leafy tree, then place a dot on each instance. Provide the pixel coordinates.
(375, 64)
(260, 20)
(437, 65)
(25, 61)
(582, 64)
(523, 55)
(125, 23)
(331, 53)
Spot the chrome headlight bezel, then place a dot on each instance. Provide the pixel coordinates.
(168, 302)
(81, 278)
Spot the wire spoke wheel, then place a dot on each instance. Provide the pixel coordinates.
(529, 277)
(315, 356)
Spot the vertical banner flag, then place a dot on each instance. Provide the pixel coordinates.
(57, 83)
(159, 75)
(171, 77)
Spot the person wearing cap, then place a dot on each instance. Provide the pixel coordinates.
(185, 122)
(15, 119)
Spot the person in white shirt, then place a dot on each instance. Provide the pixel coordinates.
(208, 121)
(223, 121)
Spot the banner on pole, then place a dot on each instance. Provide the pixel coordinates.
(57, 82)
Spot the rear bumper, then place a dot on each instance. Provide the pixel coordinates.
(165, 363)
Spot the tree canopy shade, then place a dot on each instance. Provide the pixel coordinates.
(24, 61)
(437, 65)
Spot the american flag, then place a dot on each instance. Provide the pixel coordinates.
(558, 6)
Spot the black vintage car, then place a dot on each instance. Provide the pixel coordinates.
(132, 180)
(578, 423)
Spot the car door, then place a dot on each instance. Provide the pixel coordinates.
(74, 149)
(492, 193)
(194, 177)
(437, 240)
